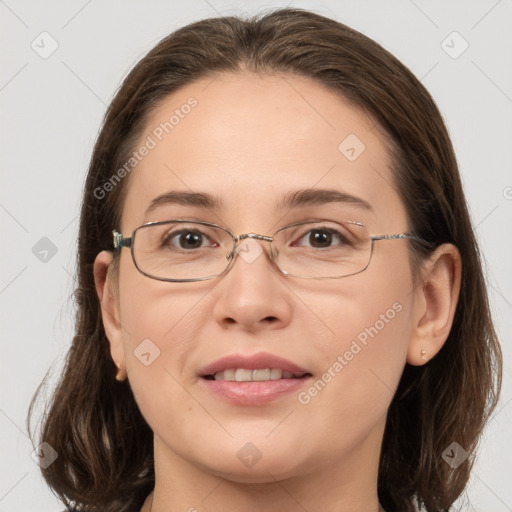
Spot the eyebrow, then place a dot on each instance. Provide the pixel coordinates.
(315, 196)
(200, 199)
(295, 199)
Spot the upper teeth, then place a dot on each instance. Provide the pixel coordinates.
(244, 375)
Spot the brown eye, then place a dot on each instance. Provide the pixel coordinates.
(185, 239)
(320, 238)
(323, 238)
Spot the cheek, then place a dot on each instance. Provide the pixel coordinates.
(369, 319)
(158, 310)
(362, 365)
(367, 335)
(161, 324)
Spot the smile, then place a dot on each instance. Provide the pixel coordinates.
(258, 375)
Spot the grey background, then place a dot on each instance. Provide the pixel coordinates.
(51, 111)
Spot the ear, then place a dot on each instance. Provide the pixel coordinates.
(105, 288)
(435, 303)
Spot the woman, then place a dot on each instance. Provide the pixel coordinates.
(280, 299)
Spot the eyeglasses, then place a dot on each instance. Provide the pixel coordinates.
(182, 251)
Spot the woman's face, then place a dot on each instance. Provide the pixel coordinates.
(251, 142)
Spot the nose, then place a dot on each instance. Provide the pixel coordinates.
(252, 295)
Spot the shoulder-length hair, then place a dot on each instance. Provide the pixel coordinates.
(105, 447)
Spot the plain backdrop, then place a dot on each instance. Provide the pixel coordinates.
(51, 110)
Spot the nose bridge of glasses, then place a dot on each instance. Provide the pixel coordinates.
(238, 239)
(254, 236)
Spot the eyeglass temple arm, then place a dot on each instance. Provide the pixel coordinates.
(120, 241)
(399, 236)
(391, 237)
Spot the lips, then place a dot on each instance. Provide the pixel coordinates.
(253, 380)
(255, 367)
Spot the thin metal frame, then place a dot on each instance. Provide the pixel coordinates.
(119, 242)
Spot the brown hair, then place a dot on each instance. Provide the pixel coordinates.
(104, 445)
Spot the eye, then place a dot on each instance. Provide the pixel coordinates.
(186, 239)
(324, 238)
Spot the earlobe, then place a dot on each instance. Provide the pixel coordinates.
(435, 304)
(109, 310)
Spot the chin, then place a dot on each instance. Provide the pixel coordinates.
(260, 473)
(248, 462)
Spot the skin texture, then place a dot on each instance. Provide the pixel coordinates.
(250, 140)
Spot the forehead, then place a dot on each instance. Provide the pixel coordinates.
(250, 140)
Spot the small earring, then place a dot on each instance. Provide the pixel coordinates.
(120, 376)
(424, 355)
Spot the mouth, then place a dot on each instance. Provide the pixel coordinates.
(255, 375)
(253, 379)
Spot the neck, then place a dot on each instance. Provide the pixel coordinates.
(324, 485)
(148, 505)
